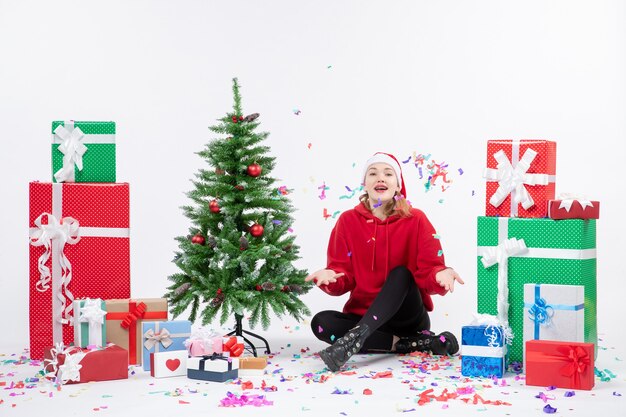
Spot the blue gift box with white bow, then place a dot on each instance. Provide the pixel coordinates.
(554, 312)
(163, 336)
(483, 350)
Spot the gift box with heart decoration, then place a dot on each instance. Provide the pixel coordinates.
(169, 363)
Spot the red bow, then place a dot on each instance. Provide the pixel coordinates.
(577, 362)
(232, 346)
(138, 312)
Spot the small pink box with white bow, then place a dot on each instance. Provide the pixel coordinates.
(167, 364)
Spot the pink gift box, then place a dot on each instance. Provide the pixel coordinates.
(204, 347)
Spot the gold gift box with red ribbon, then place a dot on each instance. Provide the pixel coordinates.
(124, 318)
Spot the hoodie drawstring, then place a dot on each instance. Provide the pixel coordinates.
(386, 244)
(374, 245)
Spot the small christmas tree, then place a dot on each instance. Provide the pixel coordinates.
(239, 252)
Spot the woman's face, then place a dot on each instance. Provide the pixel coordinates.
(381, 182)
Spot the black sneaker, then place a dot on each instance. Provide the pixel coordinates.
(426, 341)
(337, 354)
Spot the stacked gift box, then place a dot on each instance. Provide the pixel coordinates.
(536, 255)
(79, 235)
(82, 320)
(79, 254)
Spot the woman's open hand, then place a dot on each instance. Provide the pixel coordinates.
(324, 277)
(446, 279)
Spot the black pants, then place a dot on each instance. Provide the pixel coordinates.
(397, 310)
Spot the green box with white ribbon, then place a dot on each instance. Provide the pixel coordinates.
(83, 151)
(513, 252)
(90, 323)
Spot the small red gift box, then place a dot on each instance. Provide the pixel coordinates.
(560, 364)
(520, 177)
(233, 345)
(74, 365)
(79, 248)
(573, 208)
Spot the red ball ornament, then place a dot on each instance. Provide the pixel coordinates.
(256, 230)
(214, 206)
(254, 170)
(234, 119)
(258, 288)
(219, 291)
(239, 187)
(198, 239)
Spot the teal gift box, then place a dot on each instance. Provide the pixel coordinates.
(163, 336)
(89, 322)
(83, 151)
(559, 252)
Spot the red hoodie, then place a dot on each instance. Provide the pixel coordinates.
(366, 249)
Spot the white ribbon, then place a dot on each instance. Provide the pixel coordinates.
(70, 370)
(56, 233)
(568, 199)
(153, 339)
(73, 149)
(91, 312)
(492, 325)
(60, 279)
(483, 351)
(512, 177)
(500, 255)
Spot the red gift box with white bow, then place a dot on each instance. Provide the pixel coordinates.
(561, 364)
(520, 177)
(73, 365)
(573, 207)
(79, 248)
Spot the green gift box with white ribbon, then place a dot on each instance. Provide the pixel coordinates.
(517, 251)
(83, 151)
(90, 323)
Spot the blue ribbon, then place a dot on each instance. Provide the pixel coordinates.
(541, 312)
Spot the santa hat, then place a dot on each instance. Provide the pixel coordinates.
(389, 159)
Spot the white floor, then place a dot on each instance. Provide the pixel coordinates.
(303, 389)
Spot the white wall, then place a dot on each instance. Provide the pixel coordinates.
(404, 76)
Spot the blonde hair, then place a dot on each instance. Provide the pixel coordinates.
(394, 206)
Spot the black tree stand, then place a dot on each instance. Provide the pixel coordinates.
(239, 331)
